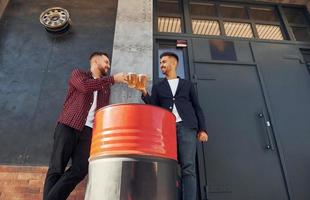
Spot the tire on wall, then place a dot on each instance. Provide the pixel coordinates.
(55, 19)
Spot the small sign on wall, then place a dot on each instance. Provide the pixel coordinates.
(181, 43)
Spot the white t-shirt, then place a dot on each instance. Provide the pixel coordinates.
(91, 112)
(173, 86)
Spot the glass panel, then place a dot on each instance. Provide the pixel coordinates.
(264, 14)
(231, 11)
(301, 34)
(168, 8)
(269, 32)
(180, 68)
(199, 9)
(295, 16)
(235, 29)
(205, 27)
(169, 24)
(169, 16)
(222, 50)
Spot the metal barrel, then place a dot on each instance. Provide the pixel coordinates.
(133, 154)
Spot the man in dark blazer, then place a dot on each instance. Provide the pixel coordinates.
(178, 96)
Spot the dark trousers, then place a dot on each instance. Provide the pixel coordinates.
(68, 144)
(186, 141)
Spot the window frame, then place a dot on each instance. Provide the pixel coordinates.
(186, 24)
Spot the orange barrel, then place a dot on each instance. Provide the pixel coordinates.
(133, 154)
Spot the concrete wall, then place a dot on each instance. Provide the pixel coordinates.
(133, 45)
(35, 67)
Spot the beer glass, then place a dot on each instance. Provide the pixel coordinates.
(142, 81)
(132, 79)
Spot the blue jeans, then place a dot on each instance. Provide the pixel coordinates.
(186, 140)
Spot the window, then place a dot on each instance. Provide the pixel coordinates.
(242, 20)
(267, 23)
(169, 16)
(269, 32)
(232, 11)
(169, 24)
(264, 14)
(201, 25)
(198, 10)
(236, 20)
(236, 29)
(301, 33)
(168, 7)
(205, 27)
(295, 16)
(222, 50)
(298, 23)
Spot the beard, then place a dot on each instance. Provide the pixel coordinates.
(103, 70)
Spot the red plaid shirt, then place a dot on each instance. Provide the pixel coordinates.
(80, 97)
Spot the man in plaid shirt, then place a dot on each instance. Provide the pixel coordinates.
(87, 92)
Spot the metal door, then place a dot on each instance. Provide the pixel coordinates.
(242, 160)
(285, 70)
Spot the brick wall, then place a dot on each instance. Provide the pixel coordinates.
(26, 183)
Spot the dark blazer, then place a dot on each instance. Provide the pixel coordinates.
(185, 99)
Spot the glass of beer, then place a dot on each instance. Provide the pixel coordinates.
(132, 79)
(142, 81)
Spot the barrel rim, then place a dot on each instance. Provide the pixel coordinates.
(136, 104)
(134, 156)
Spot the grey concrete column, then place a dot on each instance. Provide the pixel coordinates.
(3, 4)
(133, 46)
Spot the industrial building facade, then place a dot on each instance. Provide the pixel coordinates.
(249, 61)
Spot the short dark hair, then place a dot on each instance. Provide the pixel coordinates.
(98, 53)
(171, 54)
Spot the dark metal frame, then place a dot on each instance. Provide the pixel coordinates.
(283, 24)
(188, 35)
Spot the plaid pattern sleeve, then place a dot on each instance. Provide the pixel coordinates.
(85, 84)
(80, 97)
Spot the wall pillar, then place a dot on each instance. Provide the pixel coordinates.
(3, 4)
(133, 46)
